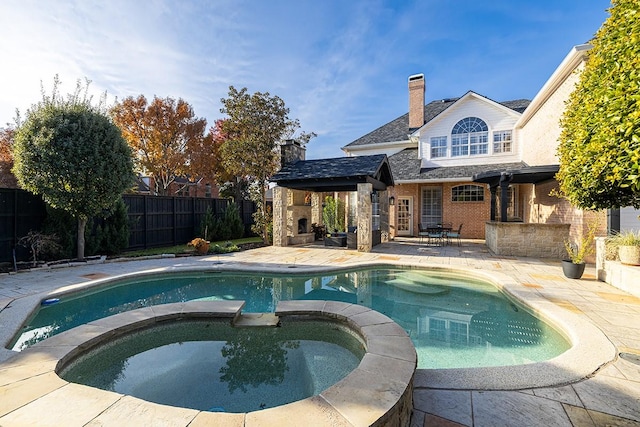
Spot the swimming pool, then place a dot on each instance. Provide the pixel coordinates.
(454, 321)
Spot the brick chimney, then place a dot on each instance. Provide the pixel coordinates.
(416, 101)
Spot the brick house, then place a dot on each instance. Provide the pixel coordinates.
(180, 187)
(454, 160)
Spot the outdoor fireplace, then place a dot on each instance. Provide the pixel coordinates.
(302, 226)
(299, 224)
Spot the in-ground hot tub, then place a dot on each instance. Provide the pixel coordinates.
(377, 392)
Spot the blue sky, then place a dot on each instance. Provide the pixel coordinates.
(340, 66)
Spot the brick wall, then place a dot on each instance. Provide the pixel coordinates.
(472, 215)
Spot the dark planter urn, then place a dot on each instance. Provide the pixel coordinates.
(571, 270)
(335, 240)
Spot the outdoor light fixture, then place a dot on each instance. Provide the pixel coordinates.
(392, 201)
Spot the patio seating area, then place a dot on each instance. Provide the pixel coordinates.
(439, 234)
(610, 396)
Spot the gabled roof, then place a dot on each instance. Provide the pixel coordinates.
(338, 174)
(406, 167)
(398, 129)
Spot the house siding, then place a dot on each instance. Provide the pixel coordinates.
(496, 118)
(542, 131)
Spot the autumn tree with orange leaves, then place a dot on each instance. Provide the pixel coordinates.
(7, 178)
(204, 155)
(162, 135)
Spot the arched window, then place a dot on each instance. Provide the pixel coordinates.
(467, 193)
(470, 136)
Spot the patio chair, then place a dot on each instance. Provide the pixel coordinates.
(422, 231)
(436, 236)
(455, 234)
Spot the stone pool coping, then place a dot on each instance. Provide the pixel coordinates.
(590, 348)
(377, 393)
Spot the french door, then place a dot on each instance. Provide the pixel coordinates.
(404, 225)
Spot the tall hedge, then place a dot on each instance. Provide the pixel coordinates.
(600, 142)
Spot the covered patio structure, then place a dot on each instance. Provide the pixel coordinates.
(299, 190)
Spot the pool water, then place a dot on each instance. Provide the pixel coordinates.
(212, 366)
(454, 321)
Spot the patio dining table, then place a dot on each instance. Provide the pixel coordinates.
(438, 231)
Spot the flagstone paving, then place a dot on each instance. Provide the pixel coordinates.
(608, 397)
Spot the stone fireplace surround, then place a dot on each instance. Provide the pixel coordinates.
(298, 214)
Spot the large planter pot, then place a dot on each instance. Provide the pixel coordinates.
(202, 248)
(571, 270)
(340, 241)
(629, 255)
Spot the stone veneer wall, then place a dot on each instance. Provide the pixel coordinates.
(527, 240)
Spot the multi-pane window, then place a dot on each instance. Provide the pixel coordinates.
(431, 209)
(467, 193)
(470, 136)
(502, 141)
(438, 146)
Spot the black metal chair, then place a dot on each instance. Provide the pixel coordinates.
(422, 232)
(455, 234)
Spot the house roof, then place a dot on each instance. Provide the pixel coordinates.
(406, 167)
(337, 174)
(398, 129)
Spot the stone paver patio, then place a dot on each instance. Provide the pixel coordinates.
(610, 396)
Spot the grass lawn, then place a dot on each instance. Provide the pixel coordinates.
(184, 249)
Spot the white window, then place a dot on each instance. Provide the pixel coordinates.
(438, 146)
(502, 141)
(431, 209)
(467, 193)
(470, 136)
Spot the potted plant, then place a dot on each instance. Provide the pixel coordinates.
(627, 246)
(573, 268)
(200, 245)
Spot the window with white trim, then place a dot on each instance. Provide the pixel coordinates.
(431, 205)
(470, 136)
(467, 193)
(438, 146)
(502, 141)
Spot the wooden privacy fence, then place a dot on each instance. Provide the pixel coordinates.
(154, 221)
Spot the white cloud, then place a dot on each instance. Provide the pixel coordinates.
(341, 67)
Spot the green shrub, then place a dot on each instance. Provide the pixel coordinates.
(106, 234)
(232, 222)
(225, 248)
(333, 214)
(112, 235)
